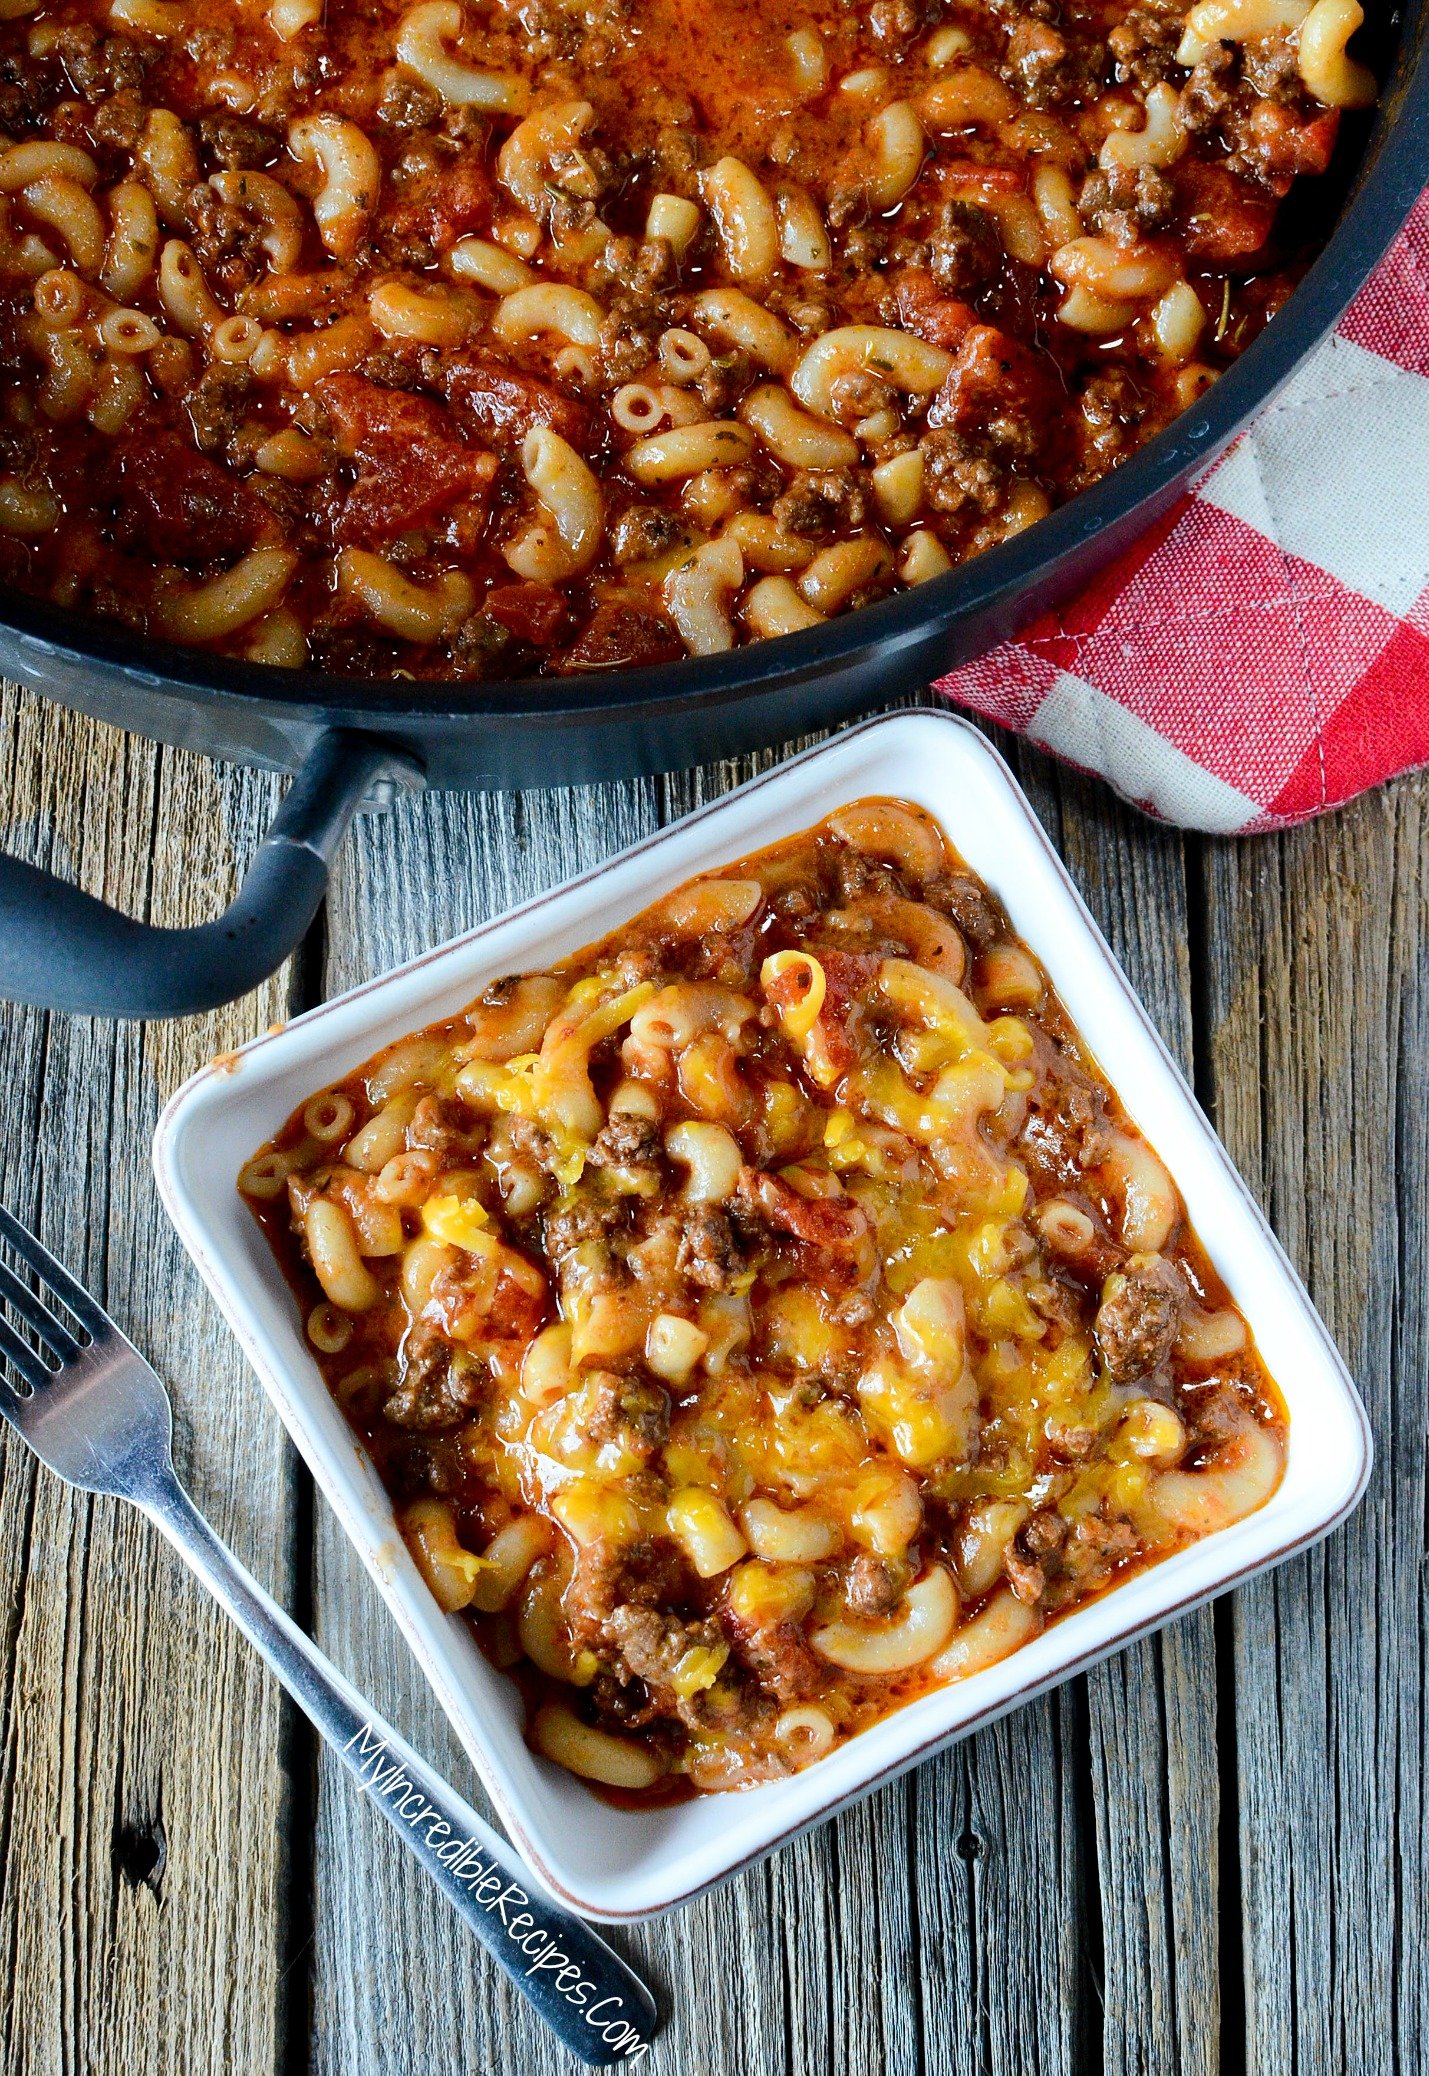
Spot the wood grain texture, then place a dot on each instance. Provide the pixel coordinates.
(1319, 1021)
(1207, 1856)
(143, 1821)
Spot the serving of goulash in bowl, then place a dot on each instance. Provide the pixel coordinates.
(784, 1335)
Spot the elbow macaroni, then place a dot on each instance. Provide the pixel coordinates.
(422, 40)
(351, 175)
(564, 539)
(359, 292)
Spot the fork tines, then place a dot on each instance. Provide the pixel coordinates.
(51, 1332)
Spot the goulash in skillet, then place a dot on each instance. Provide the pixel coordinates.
(767, 1314)
(556, 335)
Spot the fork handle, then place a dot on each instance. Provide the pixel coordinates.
(600, 2010)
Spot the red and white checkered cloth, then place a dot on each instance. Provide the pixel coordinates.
(1263, 653)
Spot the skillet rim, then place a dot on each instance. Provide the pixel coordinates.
(997, 592)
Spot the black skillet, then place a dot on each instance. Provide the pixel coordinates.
(346, 737)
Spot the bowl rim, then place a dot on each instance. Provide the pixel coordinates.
(1210, 1566)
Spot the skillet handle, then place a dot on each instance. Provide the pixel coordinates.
(62, 949)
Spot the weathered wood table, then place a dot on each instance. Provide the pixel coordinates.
(1210, 1854)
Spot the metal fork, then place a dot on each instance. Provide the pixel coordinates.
(97, 1414)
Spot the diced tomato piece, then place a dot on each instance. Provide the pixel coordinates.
(832, 1223)
(533, 613)
(411, 463)
(1318, 141)
(175, 505)
(1223, 219)
(622, 637)
(506, 403)
(365, 415)
(926, 311)
(443, 207)
(849, 979)
(1280, 144)
(405, 486)
(992, 377)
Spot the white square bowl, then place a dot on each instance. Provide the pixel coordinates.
(618, 1864)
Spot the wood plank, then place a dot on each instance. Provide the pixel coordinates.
(998, 1891)
(1319, 1017)
(143, 1866)
(1094, 1810)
